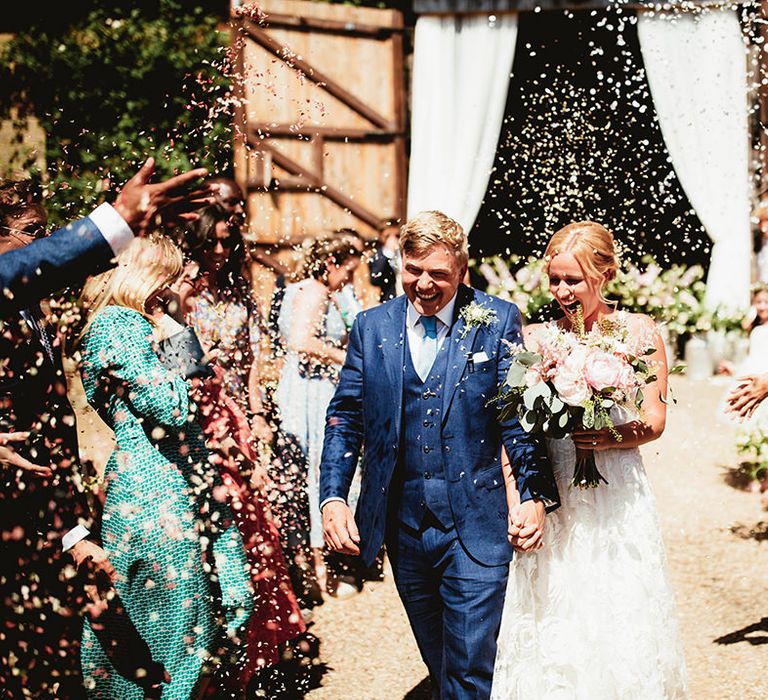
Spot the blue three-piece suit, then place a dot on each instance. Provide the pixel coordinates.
(432, 484)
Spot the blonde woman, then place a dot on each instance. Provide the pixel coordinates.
(181, 563)
(590, 613)
(315, 335)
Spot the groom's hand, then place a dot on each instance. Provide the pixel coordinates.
(339, 528)
(526, 526)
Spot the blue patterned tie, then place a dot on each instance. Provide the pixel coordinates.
(428, 351)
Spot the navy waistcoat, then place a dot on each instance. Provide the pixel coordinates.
(420, 463)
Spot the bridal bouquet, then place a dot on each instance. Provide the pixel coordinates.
(574, 379)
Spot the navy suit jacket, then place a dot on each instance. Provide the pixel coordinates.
(366, 411)
(65, 258)
(32, 384)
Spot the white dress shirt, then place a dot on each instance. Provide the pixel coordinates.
(416, 330)
(112, 226)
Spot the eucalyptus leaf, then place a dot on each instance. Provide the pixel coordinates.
(528, 359)
(528, 421)
(540, 390)
(515, 376)
(588, 418)
(599, 422)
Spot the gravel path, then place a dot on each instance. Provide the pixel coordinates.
(717, 544)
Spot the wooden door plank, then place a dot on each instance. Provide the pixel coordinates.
(284, 53)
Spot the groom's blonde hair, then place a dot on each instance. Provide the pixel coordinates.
(430, 228)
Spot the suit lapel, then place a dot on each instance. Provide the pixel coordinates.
(393, 349)
(459, 348)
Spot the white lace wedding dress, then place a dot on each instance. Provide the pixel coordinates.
(590, 616)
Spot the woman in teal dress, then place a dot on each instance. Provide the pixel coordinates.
(183, 575)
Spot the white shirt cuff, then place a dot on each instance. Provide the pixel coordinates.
(112, 226)
(328, 500)
(71, 538)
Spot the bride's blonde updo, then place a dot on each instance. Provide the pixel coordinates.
(591, 244)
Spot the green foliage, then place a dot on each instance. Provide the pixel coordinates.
(752, 447)
(673, 296)
(519, 280)
(120, 83)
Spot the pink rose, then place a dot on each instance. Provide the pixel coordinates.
(628, 380)
(602, 369)
(571, 385)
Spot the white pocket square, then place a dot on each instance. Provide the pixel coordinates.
(480, 357)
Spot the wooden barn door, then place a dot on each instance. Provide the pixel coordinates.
(322, 119)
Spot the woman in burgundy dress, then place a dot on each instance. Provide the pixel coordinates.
(216, 301)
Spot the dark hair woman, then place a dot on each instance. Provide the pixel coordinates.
(216, 301)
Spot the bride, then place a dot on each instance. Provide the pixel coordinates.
(589, 613)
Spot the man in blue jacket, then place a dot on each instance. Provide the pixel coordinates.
(44, 516)
(28, 273)
(414, 392)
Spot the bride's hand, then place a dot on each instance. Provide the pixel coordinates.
(587, 440)
(526, 526)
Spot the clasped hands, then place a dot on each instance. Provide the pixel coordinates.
(525, 527)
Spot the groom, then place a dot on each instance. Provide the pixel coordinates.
(414, 392)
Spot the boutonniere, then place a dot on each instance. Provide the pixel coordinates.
(475, 314)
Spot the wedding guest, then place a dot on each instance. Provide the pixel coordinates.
(346, 299)
(229, 196)
(89, 246)
(386, 264)
(218, 302)
(315, 335)
(219, 305)
(745, 399)
(756, 324)
(182, 570)
(43, 511)
(761, 247)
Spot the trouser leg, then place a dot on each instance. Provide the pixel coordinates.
(473, 601)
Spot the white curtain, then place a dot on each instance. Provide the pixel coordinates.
(696, 67)
(461, 71)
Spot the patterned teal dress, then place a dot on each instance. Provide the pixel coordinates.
(183, 575)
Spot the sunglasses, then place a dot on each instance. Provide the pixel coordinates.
(229, 242)
(22, 235)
